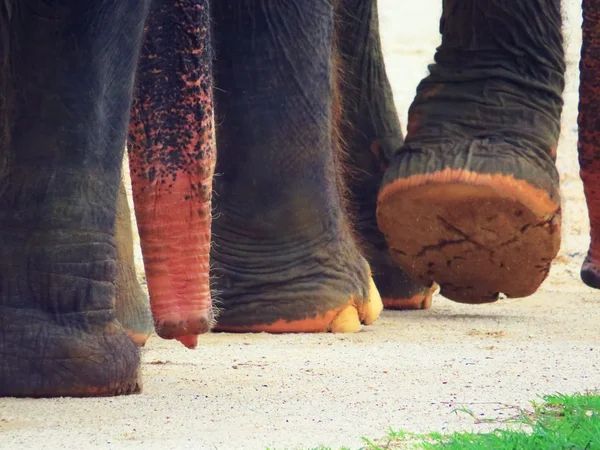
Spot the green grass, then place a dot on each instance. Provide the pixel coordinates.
(558, 422)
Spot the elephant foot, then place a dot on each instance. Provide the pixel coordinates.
(348, 318)
(323, 286)
(475, 234)
(43, 355)
(398, 289)
(59, 335)
(132, 307)
(590, 273)
(421, 300)
(135, 317)
(139, 338)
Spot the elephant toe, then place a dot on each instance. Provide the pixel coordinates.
(373, 307)
(351, 318)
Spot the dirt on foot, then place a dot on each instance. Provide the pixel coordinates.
(411, 370)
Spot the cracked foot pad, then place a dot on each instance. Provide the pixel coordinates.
(474, 240)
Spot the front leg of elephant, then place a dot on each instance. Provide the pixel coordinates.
(283, 256)
(66, 82)
(471, 201)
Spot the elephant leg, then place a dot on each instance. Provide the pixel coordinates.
(589, 135)
(284, 259)
(171, 156)
(131, 302)
(67, 71)
(471, 200)
(371, 133)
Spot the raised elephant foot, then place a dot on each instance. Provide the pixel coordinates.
(476, 235)
(471, 200)
(59, 333)
(76, 355)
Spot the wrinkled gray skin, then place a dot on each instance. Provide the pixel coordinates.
(131, 303)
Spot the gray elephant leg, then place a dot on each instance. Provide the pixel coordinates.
(284, 258)
(66, 79)
(371, 133)
(131, 302)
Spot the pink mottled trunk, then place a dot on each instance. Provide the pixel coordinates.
(172, 157)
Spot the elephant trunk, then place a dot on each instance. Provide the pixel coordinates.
(589, 134)
(172, 157)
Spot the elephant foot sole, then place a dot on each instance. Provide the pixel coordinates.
(348, 318)
(416, 302)
(45, 357)
(476, 235)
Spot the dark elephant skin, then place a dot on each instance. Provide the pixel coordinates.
(283, 257)
(67, 77)
(371, 134)
(132, 306)
(471, 199)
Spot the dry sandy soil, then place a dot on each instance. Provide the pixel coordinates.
(410, 371)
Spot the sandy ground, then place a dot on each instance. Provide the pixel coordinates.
(409, 371)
